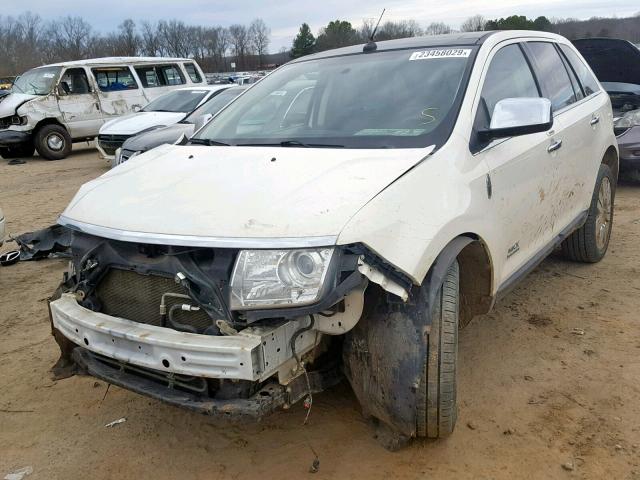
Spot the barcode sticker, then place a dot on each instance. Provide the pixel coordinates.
(441, 53)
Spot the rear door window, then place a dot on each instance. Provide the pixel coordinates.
(553, 75)
(113, 79)
(588, 81)
(193, 72)
(509, 76)
(160, 75)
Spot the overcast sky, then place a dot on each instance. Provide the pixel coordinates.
(285, 16)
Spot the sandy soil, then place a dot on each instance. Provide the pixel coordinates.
(534, 395)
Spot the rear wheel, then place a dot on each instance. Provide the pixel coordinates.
(437, 403)
(18, 151)
(590, 242)
(53, 142)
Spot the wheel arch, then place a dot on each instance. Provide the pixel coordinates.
(476, 274)
(49, 121)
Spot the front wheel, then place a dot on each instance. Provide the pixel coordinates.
(53, 142)
(437, 403)
(589, 243)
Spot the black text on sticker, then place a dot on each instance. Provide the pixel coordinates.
(443, 53)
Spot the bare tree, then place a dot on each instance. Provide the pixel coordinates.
(150, 41)
(259, 38)
(437, 28)
(175, 35)
(473, 24)
(129, 38)
(239, 40)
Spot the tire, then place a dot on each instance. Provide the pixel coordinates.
(589, 243)
(19, 151)
(53, 142)
(437, 403)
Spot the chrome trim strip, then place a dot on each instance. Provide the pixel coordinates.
(197, 241)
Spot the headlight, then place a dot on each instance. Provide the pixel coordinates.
(279, 278)
(628, 120)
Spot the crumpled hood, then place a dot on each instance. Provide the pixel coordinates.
(239, 192)
(9, 103)
(159, 136)
(136, 122)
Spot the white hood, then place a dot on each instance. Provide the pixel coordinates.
(136, 122)
(9, 103)
(239, 192)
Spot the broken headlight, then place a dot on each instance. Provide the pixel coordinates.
(628, 120)
(279, 278)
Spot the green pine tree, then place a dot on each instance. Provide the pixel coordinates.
(304, 43)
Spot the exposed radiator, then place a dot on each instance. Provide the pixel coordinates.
(137, 297)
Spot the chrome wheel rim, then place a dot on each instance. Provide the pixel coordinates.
(603, 217)
(55, 142)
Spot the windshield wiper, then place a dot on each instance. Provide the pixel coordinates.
(207, 142)
(291, 143)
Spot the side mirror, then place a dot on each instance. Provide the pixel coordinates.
(136, 108)
(60, 91)
(201, 121)
(519, 116)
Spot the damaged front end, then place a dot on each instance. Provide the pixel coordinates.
(198, 328)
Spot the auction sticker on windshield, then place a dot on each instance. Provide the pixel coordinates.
(441, 53)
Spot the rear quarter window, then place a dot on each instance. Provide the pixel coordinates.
(113, 79)
(587, 79)
(193, 72)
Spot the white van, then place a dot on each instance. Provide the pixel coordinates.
(53, 106)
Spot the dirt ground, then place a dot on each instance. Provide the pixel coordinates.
(534, 394)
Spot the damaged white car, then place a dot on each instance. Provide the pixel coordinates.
(52, 107)
(322, 226)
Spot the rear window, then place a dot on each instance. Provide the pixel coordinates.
(160, 75)
(193, 73)
(113, 79)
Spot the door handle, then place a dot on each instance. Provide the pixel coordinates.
(554, 146)
(595, 120)
(98, 106)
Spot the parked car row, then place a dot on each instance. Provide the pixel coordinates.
(164, 110)
(320, 226)
(51, 107)
(157, 135)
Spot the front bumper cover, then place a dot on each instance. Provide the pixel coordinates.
(10, 138)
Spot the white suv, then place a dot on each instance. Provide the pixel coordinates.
(346, 214)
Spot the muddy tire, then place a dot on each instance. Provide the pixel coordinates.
(437, 405)
(53, 142)
(19, 151)
(589, 243)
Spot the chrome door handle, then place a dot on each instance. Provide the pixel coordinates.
(595, 120)
(554, 146)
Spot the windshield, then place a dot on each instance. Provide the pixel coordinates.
(392, 99)
(178, 101)
(38, 81)
(214, 105)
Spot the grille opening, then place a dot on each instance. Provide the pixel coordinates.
(136, 297)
